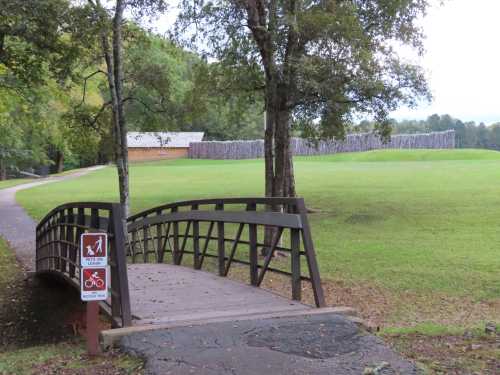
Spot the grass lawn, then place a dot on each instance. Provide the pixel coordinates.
(13, 182)
(405, 236)
(66, 358)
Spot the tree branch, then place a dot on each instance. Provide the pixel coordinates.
(93, 123)
(131, 98)
(85, 85)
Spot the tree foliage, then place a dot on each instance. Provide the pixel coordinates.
(317, 63)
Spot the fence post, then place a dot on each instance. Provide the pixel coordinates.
(312, 263)
(252, 239)
(120, 300)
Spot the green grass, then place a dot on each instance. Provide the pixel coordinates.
(410, 221)
(15, 181)
(51, 359)
(413, 155)
(431, 329)
(9, 269)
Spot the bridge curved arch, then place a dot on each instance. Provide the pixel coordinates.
(230, 231)
(225, 231)
(58, 250)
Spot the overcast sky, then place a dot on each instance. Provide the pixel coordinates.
(462, 60)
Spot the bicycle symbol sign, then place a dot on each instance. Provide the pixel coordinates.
(94, 283)
(94, 262)
(94, 250)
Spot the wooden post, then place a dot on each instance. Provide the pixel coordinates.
(175, 250)
(120, 299)
(196, 241)
(93, 328)
(221, 242)
(296, 280)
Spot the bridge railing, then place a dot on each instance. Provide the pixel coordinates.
(58, 250)
(230, 231)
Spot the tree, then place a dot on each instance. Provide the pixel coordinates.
(35, 42)
(113, 58)
(316, 63)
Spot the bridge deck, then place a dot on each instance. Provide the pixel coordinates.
(163, 293)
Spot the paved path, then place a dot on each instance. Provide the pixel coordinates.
(15, 224)
(327, 344)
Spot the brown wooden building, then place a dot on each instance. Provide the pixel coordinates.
(160, 145)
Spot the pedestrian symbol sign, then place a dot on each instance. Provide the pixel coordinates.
(94, 285)
(94, 250)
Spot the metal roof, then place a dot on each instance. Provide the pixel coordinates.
(162, 139)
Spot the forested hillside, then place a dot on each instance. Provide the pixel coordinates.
(57, 122)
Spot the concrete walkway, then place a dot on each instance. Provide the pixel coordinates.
(324, 344)
(17, 227)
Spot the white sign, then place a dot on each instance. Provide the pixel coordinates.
(94, 250)
(94, 283)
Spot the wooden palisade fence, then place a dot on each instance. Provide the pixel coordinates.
(352, 143)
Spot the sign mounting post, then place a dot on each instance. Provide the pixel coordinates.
(93, 282)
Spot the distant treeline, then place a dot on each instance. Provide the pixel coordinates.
(467, 134)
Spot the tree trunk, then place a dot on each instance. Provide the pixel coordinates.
(114, 73)
(59, 161)
(120, 123)
(269, 155)
(3, 170)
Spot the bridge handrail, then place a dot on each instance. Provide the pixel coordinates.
(215, 201)
(58, 249)
(150, 232)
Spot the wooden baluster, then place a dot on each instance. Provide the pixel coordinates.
(70, 238)
(133, 245)
(295, 260)
(94, 219)
(253, 254)
(160, 251)
(221, 243)
(64, 245)
(50, 246)
(79, 231)
(196, 241)
(175, 250)
(145, 242)
(58, 232)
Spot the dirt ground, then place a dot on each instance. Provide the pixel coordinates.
(454, 355)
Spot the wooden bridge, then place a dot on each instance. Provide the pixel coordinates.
(212, 238)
